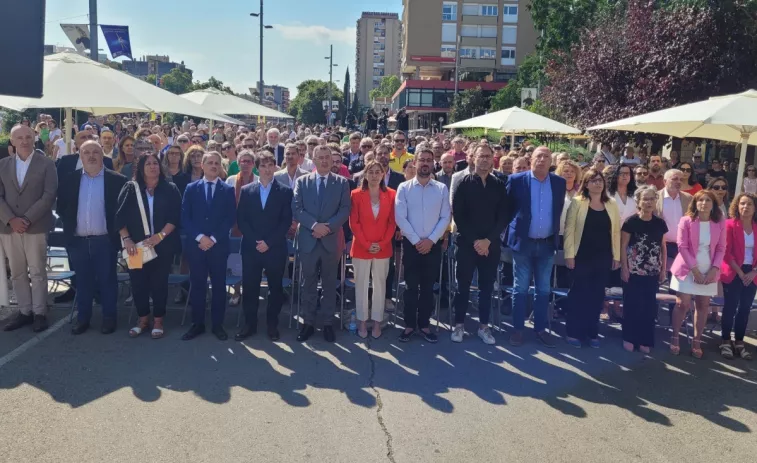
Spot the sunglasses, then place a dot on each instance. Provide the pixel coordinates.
(643, 174)
(399, 141)
(718, 187)
(312, 144)
(366, 146)
(197, 140)
(182, 142)
(685, 169)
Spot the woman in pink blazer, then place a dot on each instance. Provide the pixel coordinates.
(696, 269)
(739, 275)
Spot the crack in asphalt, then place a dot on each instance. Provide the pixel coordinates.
(380, 408)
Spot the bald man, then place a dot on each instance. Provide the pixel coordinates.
(28, 186)
(87, 203)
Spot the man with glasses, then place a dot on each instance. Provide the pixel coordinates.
(640, 174)
(184, 142)
(356, 165)
(399, 154)
(197, 139)
(458, 145)
(655, 176)
(599, 162)
(354, 153)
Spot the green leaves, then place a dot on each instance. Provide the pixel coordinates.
(468, 103)
(307, 106)
(387, 87)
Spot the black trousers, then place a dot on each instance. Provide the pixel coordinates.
(640, 309)
(738, 301)
(151, 281)
(421, 271)
(273, 262)
(587, 295)
(468, 261)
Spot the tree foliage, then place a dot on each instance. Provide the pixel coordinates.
(530, 74)
(307, 106)
(561, 22)
(212, 82)
(178, 81)
(346, 93)
(387, 87)
(670, 53)
(468, 103)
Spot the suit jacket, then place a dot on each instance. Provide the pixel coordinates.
(68, 203)
(270, 224)
(685, 199)
(445, 179)
(519, 207)
(34, 199)
(735, 249)
(356, 166)
(214, 220)
(333, 211)
(278, 152)
(688, 245)
(367, 229)
(166, 209)
(576, 219)
(67, 164)
(282, 176)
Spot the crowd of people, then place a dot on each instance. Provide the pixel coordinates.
(176, 195)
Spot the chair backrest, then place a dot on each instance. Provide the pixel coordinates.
(560, 258)
(506, 255)
(235, 245)
(55, 239)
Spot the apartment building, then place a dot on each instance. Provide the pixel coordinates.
(377, 51)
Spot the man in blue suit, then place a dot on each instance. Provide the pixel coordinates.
(535, 201)
(207, 215)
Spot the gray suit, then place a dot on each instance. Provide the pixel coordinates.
(282, 176)
(27, 252)
(331, 207)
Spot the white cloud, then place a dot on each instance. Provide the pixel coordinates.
(317, 34)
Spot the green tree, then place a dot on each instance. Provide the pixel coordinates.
(307, 106)
(561, 22)
(178, 81)
(346, 94)
(150, 79)
(387, 87)
(530, 75)
(468, 103)
(212, 82)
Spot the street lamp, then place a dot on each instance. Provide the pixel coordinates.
(262, 26)
(331, 75)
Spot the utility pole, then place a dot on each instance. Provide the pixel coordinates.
(457, 60)
(93, 49)
(331, 76)
(262, 26)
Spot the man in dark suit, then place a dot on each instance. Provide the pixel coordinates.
(87, 203)
(354, 153)
(264, 215)
(534, 204)
(208, 211)
(273, 136)
(321, 206)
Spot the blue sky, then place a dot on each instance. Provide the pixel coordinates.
(218, 37)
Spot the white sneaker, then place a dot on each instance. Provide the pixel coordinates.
(486, 335)
(457, 334)
(389, 306)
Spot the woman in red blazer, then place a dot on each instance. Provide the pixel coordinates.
(739, 274)
(372, 223)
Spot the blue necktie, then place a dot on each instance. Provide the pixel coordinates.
(209, 194)
(321, 190)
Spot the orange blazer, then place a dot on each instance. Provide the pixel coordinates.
(367, 229)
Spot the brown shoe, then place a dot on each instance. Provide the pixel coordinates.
(516, 339)
(546, 339)
(19, 321)
(40, 323)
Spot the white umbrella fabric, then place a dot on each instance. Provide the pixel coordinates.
(74, 81)
(730, 118)
(515, 121)
(225, 103)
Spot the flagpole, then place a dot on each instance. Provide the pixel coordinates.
(93, 49)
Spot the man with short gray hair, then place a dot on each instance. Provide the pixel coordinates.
(274, 146)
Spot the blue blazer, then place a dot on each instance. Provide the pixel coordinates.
(519, 207)
(216, 221)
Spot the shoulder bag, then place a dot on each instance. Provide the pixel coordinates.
(148, 253)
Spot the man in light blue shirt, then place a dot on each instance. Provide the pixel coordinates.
(541, 200)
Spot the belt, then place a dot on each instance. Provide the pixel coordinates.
(549, 238)
(90, 237)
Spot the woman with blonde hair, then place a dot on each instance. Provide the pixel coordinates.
(125, 153)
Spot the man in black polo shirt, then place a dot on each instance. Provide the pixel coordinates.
(479, 210)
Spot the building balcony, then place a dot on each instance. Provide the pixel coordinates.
(480, 20)
(490, 42)
(469, 63)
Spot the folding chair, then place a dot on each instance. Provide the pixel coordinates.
(298, 274)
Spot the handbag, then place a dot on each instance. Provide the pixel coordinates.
(148, 253)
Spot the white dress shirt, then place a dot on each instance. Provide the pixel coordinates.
(671, 213)
(422, 212)
(628, 209)
(22, 167)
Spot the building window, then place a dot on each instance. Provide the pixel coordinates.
(478, 31)
(488, 31)
(471, 9)
(488, 10)
(509, 34)
(449, 11)
(510, 13)
(448, 51)
(507, 57)
(469, 31)
(487, 53)
(468, 52)
(449, 32)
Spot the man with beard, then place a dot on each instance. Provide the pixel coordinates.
(447, 169)
(656, 174)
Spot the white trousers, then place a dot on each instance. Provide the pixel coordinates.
(27, 255)
(365, 271)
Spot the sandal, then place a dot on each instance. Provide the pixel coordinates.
(726, 351)
(742, 352)
(157, 328)
(675, 348)
(142, 324)
(696, 349)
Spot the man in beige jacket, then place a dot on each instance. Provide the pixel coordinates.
(28, 186)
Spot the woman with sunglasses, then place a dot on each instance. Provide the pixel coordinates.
(640, 174)
(690, 184)
(719, 187)
(750, 182)
(592, 250)
(229, 151)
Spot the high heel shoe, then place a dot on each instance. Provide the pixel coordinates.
(675, 348)
(696, 349)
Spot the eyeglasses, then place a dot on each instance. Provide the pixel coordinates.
(366, 146)
(597, 180)
(228, 148)
(312, 144)
(197, 140)
(642, 174)
(685, 169)
(397, 140)
(182, 142)
(718, 187)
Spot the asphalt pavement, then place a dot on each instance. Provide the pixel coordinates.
(98, 398)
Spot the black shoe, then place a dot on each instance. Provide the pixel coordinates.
(328, 334)
(430, 337)
(80, 328)
(245, 332)
(406, 336)
(109, 326)
(305, 333)
(68, 296)
(220, 333)
(546, 339)
(273, 333)
(40, 323)
(19, 321)
(194, 331)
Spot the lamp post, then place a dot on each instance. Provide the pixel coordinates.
(262, 26)
(331, 75)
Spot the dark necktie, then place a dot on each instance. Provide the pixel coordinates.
(321, 189)
(209, 193)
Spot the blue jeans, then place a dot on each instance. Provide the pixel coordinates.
(94, 261)
(536, 257)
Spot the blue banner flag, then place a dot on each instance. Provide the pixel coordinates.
(118, 40)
